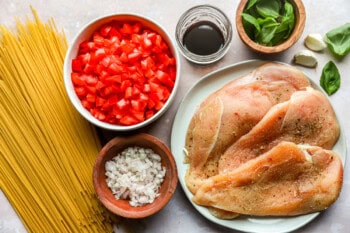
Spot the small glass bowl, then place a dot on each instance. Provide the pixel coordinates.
(199, 14)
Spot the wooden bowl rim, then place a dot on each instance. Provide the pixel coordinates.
(300, 16)
(118, 207)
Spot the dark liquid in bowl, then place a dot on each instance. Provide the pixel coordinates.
(203, 38)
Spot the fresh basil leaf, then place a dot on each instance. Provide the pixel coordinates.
(251, 3)
(288, 17)
(265, 35)
(253, 12)
(277, 38)
(288, 9)
(338, 40)
(330, 78)
(269, 8)
(267, 22)
(251, 20)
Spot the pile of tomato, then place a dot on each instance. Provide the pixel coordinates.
(124, 74)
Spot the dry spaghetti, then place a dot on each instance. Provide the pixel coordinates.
(47, 150)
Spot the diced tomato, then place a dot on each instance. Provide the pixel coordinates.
(98, 39)
(86, 46)
(91, 89)
(126, 29)
(128, 93)
(88, 69)
(98, 114)
(114, 68)
(100, 53)
(128, 120)
(100, 101)
(164, 78)
(123, 57)
(76, 65)
(124, 74)
(91, 98)
(113, 79)
(78, 79)
(136, 38)
(123, 104)
(127, 47)
(114, 33)
(146, 43)
(136, 28)
(91, 80)
(81, 91)
(125, 84)
(147, 88)
(105, 29)
(149, 114)
(134, 56)
(100, 85)
(85, 58)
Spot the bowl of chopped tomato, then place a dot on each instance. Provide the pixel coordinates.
(121, 71)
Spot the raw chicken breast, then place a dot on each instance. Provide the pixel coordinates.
(307, 118)
(285, 181)
(229, 113)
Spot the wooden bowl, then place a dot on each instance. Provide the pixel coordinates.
(300, 17)
(122, 207)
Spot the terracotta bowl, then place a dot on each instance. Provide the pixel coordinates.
(300, 17)
(122, 207)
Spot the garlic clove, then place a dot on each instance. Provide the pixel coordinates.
(305, 58)
(315, 42)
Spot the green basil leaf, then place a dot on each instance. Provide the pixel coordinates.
(288, 17)
(251, 20)
(251, 3)
(267, 22)
(330, 78)
(265, 35)
(338, 40)
(269, 8)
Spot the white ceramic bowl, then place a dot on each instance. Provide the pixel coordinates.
(86, 33)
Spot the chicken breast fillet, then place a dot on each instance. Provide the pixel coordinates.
(229, 113)
(307, 118)
(285, 181)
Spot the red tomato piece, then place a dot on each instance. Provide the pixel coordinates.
(128, 120)
(126, 29)
(134, 56)
(149, 114)
(98, 39)
(124, 74)
(81, 91)
(78, 79)
(114, 68)
(76, 65)
(105, 30)
(123, 104)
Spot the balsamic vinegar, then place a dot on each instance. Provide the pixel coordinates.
(203, 38)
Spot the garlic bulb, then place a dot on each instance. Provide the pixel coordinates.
(315, 42)
(305, 58)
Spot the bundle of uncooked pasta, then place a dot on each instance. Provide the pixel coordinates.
(47, 150)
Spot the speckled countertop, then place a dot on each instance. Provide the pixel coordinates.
(179, 215)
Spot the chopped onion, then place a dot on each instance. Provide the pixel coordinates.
(135, 174)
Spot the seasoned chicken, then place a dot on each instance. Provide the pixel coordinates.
(307, 118)
(229, 113)
(285, 181)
